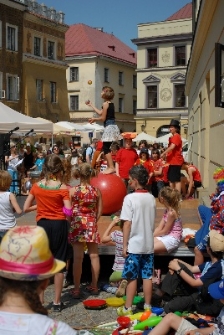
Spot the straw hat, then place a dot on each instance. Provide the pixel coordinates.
(25, 255)
(216, 241)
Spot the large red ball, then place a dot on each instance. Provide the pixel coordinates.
(113, 191)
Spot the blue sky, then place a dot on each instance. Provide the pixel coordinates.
(119, 17)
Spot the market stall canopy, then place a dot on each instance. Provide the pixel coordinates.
(93, 126)
(72, 126)
(60, 130)
(144, 136)
(165, 138)
(11, 119)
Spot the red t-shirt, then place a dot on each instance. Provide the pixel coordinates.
(49, 202)
(196, 174)
(157, 165)
(174, 157)
(148, 165)
(126, 159)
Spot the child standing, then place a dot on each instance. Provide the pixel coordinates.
(111, 132)
(117, 237)
(147, 163)
(168, 234)
(53, 208)
(138, 214)
(8, 204)
(87, 207)
(125, 160)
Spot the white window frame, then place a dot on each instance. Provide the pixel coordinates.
(54, 50)
(120, 106)
(12, 93)
(76, 73)
(39, 89)
(53, 92)
(121, 78)
(106, 75)
(0, 34)
(40, 46)
(76, 102)
(16, 37)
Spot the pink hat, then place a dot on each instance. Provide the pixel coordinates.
(25, 255)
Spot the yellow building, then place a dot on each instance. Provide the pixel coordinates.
(44, 69)
(204, 79)
(97, 59)
(162, 56)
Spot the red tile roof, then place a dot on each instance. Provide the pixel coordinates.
(82, 40)
(183, 13)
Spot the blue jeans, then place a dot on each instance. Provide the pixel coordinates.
(201, 236)
(14, 187)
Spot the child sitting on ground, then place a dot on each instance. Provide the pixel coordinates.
(168, 234)
(118, 266)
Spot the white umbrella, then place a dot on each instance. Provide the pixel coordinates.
(165, 138)
(71, 126)
(93, 126)
(144, 136)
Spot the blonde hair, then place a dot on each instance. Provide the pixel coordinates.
(171, 196)
(5, 180)
(108, 93)
(85, 172)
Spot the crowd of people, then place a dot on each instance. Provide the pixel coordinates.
(68, 209)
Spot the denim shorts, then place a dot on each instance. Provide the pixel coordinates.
(138, 265)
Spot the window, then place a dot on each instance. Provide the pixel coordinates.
(53, 91)
(134, 82)
(134, 104)
(50, 53)
(106, 75)
(120, 105)
(12, 83)
(121, 78)
(74, 74)
(180, 55)
(11, 37)
(39, 89)
(37, 46)
(0, 34)
(2, 93)
(152, 57)
(180, 99)
(152, 96)
(74, 102)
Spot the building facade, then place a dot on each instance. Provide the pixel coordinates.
(11, 51)
(32, 53)
(204, 88)
(163, 50)
(96, 59)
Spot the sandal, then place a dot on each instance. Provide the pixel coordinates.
(92, 290)
(75, 294)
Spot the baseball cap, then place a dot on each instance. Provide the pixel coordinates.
(216, 290)
(144, 151)
(216, 241)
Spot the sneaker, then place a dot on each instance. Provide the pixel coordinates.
(67, 283)
(122, 311)
(147, 307)
(122, 288)
(58, 308)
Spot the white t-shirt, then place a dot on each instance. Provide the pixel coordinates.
(140, 209)
(32, 324)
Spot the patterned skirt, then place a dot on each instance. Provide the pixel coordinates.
(111, 133)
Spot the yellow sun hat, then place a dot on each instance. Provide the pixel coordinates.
(25, 255)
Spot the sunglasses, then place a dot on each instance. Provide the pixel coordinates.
(55, 148)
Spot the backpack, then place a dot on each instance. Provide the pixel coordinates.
(84, 154)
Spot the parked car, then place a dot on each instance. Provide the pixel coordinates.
(185, 151)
